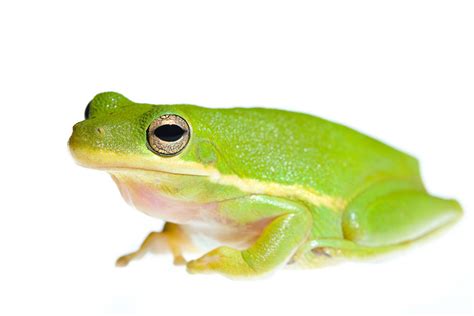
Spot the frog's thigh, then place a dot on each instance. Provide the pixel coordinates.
(288, 229)
(171, 238)
(397, 217)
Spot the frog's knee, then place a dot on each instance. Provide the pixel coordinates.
(398, 217)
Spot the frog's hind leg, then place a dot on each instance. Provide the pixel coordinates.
(379, 222)
(172, 238)
(396, 218)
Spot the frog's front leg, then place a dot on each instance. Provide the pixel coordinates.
(289, 227)
(171, 238)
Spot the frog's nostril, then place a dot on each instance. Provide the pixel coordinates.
(100, 130)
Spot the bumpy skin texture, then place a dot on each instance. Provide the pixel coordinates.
(278, 186)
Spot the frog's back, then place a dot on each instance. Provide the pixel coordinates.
(295, 148)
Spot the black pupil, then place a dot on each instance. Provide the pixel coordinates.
(169, 133)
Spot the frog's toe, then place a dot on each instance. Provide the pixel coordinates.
(208, 262)
(179, 261)
(123, 261)
(201, 265)
(194, 266)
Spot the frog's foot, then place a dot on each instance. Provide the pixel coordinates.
(172, 239)
(327, 251)
(314, 254)
(225, 260)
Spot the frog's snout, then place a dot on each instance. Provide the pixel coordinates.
(85, 135)
(83, 129)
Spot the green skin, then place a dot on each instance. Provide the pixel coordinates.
(274, 187)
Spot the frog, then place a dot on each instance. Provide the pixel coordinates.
(267, 187)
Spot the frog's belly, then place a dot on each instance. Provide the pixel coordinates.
(202, 221)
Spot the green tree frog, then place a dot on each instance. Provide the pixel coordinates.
(270, 187)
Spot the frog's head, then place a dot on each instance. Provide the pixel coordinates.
(120, 134)
(153, 152)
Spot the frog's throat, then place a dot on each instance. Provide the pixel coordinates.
(109, 161)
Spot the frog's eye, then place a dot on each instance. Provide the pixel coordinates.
(168, 135)
(87, 111)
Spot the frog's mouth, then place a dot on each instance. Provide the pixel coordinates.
(107, 160)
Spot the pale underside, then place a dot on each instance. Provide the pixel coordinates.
(149, 192)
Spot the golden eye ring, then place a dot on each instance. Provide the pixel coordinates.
(168, 135)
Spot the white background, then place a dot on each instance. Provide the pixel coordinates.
(401, 71)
